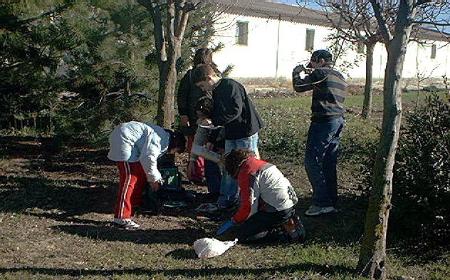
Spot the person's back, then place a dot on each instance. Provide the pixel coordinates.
(234, 110)
(262, 187)
(267, 200)
(130, 141)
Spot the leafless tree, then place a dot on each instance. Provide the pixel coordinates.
(396, 31)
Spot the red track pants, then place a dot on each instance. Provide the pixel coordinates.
(199, 170)
(131, 185)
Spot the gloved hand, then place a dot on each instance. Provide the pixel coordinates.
(298, 69)
(225, 226)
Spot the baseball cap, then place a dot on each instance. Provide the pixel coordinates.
(316, 55)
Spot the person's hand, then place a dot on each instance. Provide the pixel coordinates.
(299, 68)
(184, 120)
(155, 185)
(225, 226)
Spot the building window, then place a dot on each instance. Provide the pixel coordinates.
(433, 51)
(309, 39)
(361, 48)
(242, 33)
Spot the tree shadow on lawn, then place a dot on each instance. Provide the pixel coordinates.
(68, 197)
(311, 268)
(342, 228)
(62, 200)
(18, 146)
(107, 232)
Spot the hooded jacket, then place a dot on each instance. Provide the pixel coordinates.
(139, 142)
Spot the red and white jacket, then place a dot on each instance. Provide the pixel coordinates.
(262, 187)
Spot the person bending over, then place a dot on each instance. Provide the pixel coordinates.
(136, 147)
(267, 200)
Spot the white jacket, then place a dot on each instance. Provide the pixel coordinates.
(139, 142)
(200, 139)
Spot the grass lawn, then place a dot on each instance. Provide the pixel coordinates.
(55, 209)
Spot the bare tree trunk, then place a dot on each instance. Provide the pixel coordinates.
(368, 87)
(166, 98)
(372, 258)
(168, 35)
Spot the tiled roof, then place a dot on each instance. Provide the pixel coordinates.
(259, 8)
(270, 10)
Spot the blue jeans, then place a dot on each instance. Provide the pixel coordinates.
(229, 193)
(321, 158)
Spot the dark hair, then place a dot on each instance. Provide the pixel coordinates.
(176, 140)
(205, 105)
(202, 72)
(322, 54)
(203, 56)
(234, 160)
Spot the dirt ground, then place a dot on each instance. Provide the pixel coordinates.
(57, 207)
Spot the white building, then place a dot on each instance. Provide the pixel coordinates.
(265, 39)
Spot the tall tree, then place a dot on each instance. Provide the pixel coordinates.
(170, 19)
(32, 45)
(406, 14)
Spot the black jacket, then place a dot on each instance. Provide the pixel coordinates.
(187, 97)
(234, 110)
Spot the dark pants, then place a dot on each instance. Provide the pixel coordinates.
(258, 223)
(213, 176)
(321, 158)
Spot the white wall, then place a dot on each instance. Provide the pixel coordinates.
(259, 57)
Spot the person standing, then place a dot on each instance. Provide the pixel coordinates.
(327, 122)
(232, 109)
(136, 147)
(187, 97)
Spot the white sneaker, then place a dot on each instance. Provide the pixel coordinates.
(125, 223)
(317, 210)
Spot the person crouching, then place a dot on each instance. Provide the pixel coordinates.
(136, 147)
(267, 200)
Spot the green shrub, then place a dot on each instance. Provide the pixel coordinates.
(285, 131)
(421, 197)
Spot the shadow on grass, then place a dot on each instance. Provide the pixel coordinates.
(25, 147)
(326, 271)
(68, 197)
(182, 254)
(342, 228)
(106, 232)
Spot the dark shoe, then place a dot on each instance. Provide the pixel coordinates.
(295, 230)
(210, 197)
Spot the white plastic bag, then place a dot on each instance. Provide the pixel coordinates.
(211, 247)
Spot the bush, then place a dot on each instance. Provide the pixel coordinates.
(421, 197)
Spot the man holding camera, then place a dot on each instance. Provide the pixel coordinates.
(327, 122)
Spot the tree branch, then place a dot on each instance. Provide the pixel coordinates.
(431, 23)
(384, 29)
